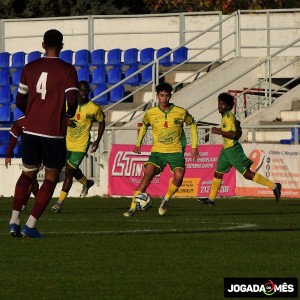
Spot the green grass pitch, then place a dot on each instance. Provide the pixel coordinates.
(92, 252)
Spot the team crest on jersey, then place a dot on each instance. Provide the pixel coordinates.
(78, 117)
(177, 121)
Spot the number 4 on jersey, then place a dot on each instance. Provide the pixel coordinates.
(41, 85)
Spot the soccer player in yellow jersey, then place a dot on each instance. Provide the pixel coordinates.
(78, 141)
(167, 122)
(232, 154)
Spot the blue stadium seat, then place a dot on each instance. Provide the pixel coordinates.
(17, 113)
(82, 58)
(5, 95)
(4, 60)
(146, 56)
(114, 75)
(67, 56)
(131, 57)
(117, 93)
(102, 100)
(146, 75)
(180, 55)
(5, 112)
(33, 56)
(83, 74)
(114, 57)
(166, 61)
(98, 76)
(18, 60)
(15, 77)
(135, 80)
(4, 77)
(98, 58)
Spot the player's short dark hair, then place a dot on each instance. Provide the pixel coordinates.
(164, 86)
(53, 38)
(227, 98)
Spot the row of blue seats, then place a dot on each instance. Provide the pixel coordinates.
(18, 59)
(96, 76)
(99, 57)
(115, 75)
(9, 112)
(131, 57)
(8, 84)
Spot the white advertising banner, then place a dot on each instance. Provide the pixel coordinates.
(279, 163)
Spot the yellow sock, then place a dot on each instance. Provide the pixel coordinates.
(215, 185)
(82, 180)
(264, 181)
(133, 205)
(62, 196)
(171, 191)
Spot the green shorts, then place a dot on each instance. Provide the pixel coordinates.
(233, 157)
(74, 159)
(175, 160)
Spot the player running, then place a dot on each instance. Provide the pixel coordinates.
(232, 154)
(78, 141)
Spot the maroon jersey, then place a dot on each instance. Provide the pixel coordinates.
(46, 82)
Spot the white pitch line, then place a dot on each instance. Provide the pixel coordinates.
(171, 230)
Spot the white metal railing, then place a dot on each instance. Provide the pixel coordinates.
(235, 37)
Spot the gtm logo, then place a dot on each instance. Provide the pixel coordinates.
(129, 164)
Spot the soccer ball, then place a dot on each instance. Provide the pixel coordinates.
(143, 201)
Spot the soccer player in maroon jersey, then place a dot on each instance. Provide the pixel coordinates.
(45, 86)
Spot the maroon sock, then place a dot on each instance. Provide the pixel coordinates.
(21, 191)
(42, 198)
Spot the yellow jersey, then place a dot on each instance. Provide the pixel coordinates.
(228, 124)
(167, 129)
(78, 138)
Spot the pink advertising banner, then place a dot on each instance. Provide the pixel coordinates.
(126, 170)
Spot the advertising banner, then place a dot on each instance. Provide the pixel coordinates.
(279, 163)
(126, 170)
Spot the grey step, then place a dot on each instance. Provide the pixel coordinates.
(296, 104)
